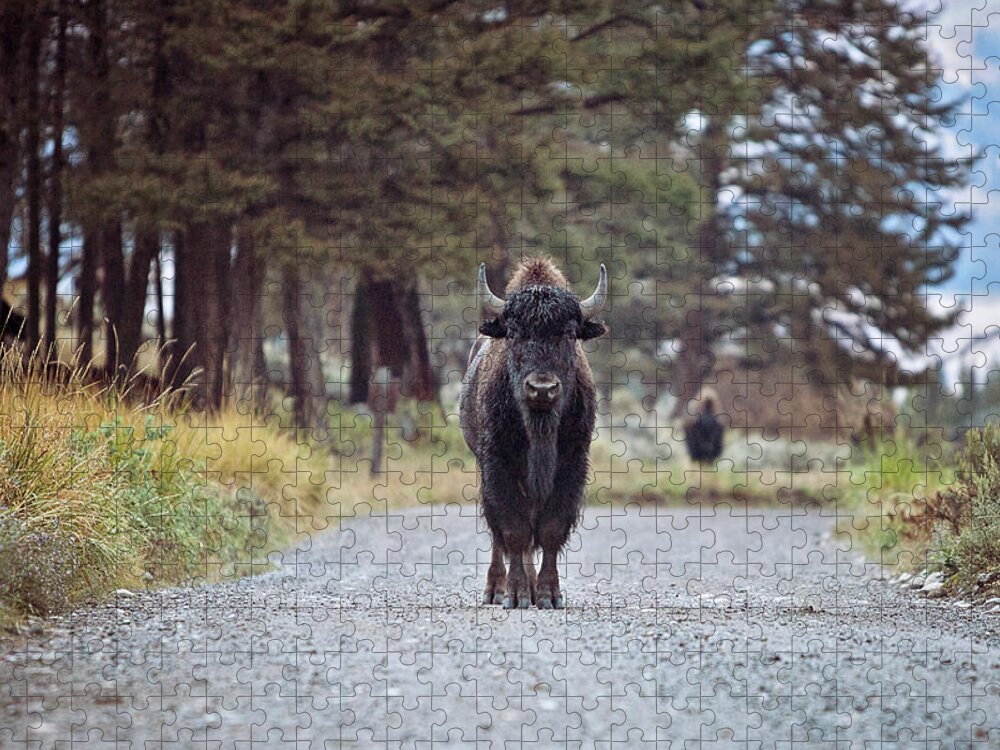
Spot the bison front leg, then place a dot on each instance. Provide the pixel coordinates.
(555, 523)
(496, 577)
(553, 535)
(511, 533)
(517, 543)
(532, 573)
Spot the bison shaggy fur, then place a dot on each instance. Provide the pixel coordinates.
(527, 411)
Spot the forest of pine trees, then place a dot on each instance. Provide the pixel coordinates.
(193, 177)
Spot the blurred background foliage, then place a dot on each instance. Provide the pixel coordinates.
(220, 182)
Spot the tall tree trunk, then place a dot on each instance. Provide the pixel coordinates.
(247, 371)
(315, 342)
(14, 26)
(362, 336)
(207, 255)
(307, 386)
(55, 186)
(112, 297)
(298, 386)
(379, 402)
(133, 308)
(97, 134)
(34, 183)
(9, 156)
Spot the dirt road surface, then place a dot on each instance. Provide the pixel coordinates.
(685, 628)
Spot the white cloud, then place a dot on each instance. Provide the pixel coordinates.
(952, 30)
(973, 341)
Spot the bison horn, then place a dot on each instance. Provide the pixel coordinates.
(487, 299)
(593, 305)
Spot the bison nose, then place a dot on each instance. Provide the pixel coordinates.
(542, 387)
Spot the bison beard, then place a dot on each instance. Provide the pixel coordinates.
(543, 453)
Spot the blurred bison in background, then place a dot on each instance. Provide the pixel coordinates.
(703, 431)
(527, 412)
(12, 323)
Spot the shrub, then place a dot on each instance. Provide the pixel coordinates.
(97, 494)
(971, 542)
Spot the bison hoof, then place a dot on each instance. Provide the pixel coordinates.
(551, 602)
(520, 602)
(492, 598)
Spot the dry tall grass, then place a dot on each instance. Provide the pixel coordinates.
(97, 492)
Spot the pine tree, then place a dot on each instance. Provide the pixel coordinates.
(841, 179)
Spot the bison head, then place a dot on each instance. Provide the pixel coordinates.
(542, 324)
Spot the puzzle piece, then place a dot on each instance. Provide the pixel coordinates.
(253, 501)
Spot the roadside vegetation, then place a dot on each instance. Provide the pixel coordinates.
(966, 515)
(934, 508)
(97, 494)
(889, 483)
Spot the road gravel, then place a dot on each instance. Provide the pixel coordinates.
(686, 627)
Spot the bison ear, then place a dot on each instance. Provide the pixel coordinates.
(591, 330)
(493, 328)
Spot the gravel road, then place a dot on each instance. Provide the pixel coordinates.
(685, 628)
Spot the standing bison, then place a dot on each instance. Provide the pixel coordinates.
(527, 412)
(703, 430)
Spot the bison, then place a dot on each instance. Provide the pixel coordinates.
(12, 324)
(703, 431)
(527, 412)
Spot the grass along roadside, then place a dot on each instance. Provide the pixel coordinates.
(935, 511)
(97, 495)
(883, 504)
(964, 520)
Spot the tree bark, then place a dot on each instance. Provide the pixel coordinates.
(112, 288)
(361, 344)
(14, 26)
(8, 198)
(34, 184)
(133, 307)
(247, 371)
(298, 385)
(307, 384)
(55, 186)
(97, 134)
(85, 283)
(315, 322)
(207, 269)
(379, 398)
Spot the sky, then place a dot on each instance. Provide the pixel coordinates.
(964, 39)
